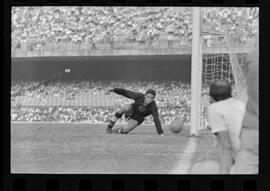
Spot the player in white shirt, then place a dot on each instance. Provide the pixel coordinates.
(225, 115)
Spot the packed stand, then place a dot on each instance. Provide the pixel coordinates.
(86, 114)
(173, 99)
(96, 25)
(60, 114)
(99, 24)
(40, 89)
(170, 93)
(240, 23)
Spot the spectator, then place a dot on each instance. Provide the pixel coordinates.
(171, 96)
(75, 24)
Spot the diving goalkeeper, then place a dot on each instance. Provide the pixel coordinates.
(136, 112)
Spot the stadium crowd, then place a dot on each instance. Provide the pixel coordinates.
(85, 114)
(173, 99)
(240, 23)
(168, 93)
(94, 25)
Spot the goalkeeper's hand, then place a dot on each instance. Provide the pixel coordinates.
(162, 134)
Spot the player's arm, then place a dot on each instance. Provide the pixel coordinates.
(225, 151)
(126, 93)
(156, 119)
(224, 146)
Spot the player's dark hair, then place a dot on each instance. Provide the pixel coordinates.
(220, 90)
(150, 91)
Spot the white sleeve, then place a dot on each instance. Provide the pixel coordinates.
(216, 120)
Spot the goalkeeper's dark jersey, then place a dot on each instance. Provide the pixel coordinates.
(139, 112)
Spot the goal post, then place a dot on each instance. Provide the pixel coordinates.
(196, 77)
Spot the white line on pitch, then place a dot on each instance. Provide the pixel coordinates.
(184, 163)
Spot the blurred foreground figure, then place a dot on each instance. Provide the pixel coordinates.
(225, 115)
(247, 159)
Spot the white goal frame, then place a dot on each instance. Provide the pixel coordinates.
(196, 71)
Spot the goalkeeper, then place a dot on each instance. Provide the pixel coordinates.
(136, 112)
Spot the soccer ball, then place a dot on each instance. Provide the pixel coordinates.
(205, 167)
(176, 125)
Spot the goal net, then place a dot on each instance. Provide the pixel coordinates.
(224, 57)
(224, 65)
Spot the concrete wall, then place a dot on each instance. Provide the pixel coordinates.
(125, 68)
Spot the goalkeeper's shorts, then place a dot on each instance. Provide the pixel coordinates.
(129, 115)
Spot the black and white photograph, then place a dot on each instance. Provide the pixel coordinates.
(134, 90)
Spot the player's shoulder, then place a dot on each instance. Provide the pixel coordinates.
(213, 107)
(139, 95)
(233, 102)
(220, 106)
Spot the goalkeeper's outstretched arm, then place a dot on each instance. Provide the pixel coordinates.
(126, 93)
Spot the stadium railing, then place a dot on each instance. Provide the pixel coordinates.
(163, 47)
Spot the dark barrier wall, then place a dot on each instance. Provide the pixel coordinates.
(126, 68)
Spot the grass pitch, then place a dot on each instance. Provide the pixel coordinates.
(72, 148)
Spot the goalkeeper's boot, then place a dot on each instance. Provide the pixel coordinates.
(116, 116)
(110, 126)
(109, 130)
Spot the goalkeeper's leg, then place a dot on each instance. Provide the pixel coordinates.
(131, 124)
(117, 116)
